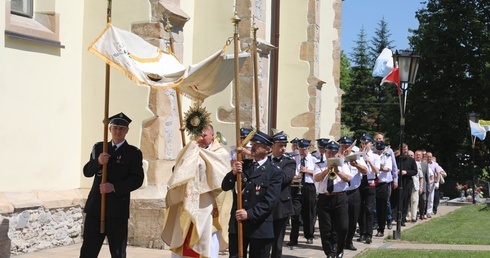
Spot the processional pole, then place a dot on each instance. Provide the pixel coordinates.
(106, 123)
(236, 20)
(168, 28)
(256, 77)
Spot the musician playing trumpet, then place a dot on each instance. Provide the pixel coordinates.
(332, 205)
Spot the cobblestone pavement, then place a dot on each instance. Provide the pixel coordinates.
(301, 250)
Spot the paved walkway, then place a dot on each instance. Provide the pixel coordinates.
(301, 250)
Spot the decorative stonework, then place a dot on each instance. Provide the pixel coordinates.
(32, 230)
(337, 6)
(251, 11)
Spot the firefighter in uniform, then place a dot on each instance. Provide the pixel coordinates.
(332, 203)
(261, 181)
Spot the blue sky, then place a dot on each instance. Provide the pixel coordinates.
(398, 14)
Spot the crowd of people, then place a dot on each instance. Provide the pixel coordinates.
(244, 202)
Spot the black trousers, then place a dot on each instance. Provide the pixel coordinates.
(423, 205)
(437, 197)
(257, 247)
(368, 194)
(354, 200)
(116, 230)
(405, 199)
(333, 221)
(308, 209)
(382, 205)
(279, 232)
(296, 217)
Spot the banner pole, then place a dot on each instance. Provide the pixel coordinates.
(256, 76)
(236, 20)
(106, 123)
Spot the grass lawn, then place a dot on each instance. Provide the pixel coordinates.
(468, 225)
(387, 253)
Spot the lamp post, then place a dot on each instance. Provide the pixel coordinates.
(473, 117)
(408, 64)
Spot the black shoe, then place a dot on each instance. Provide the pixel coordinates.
(380, 234)
(362, 238)
(375, 226)
(292, 243)
(403, 224)
(340, 255)
(350, 247)
(435, 212)
(309, 241)
(414, 220)
(331, 255)
(389, 225)
(369, 240)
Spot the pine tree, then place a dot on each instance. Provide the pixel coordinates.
(358, 113)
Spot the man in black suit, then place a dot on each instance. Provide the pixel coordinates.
(407, 167)
(124, 174)
(284, 207)
(261, 190)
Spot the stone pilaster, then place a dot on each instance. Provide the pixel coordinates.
(251, 11)
(160, 140)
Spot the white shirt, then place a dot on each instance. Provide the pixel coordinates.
(386, 162)
(338, 184)
(355, 182)
(310, 162)
(376, 161)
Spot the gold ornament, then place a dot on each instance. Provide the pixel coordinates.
(196, 119)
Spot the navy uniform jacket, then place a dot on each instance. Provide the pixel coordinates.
(124, 171)
(260, 192)
(284, 206)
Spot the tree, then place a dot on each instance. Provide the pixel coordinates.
(453, 39)
(357, 110)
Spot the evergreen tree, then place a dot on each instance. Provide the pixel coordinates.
(345, 83)
(358, 113)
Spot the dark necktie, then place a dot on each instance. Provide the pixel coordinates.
(321, 158)
(114, 147)
(303, 164)
(330, 185)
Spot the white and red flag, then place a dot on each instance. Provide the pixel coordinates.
(393, 77)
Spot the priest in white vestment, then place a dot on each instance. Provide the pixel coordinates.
(197, 208)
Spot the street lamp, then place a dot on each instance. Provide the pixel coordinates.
(473, 117)
(408, 64)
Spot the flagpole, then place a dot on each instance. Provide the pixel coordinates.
(168, 28)
(236, 20)
(256, 77)
(106, 123)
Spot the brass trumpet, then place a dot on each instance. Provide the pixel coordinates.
(332, 175)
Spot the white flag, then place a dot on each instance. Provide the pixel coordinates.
(384, 63)
(478, 130)
(210, 76)
(136, 58)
